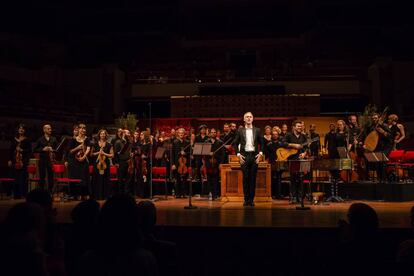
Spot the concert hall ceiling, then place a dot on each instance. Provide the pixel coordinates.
(92, 32)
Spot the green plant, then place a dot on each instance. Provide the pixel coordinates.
(128, 121)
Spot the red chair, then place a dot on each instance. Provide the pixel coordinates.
(394, 164)
(32, 170)
(396, 156)
(408, 163)
(61, 181)
(159, 175)
(113, 171)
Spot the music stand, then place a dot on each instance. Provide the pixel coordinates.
(300, 167)
(379, 158)
(159, 154)
(200, 149)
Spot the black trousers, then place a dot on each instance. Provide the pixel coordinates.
(213, 184)
(276, 184)
(45, 167)
(20, 182)
(181, 184)
(249, 169)
(124, 178)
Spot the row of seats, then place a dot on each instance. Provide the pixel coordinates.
(61, 180)
(402, 162)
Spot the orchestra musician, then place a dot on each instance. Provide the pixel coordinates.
(353, 127)
(69, 160)
(267, 137)
(315, 147)
(396, 129)
(329, 141)
(146, 145)
(384, 143)
(180, 161)
(118, 136)
(356, 152)
(213, 163)
(45, 146)
(270, 154)
(20, 150)
(227, 138)
(295, 140)
(123, 160)
(80, 148)
(102, 151)
(250, 140)
(340, 141)
(284, 130)
(385, 139)
(137, 182)
(202, 137)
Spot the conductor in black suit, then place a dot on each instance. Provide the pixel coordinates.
(248, 138)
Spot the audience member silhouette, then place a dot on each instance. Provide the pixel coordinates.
(120, 248)
(359, 250)
(22, 241)
(165, 252)
(84, 231)
(405, 254)
(54, 241)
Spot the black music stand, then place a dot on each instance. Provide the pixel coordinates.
(198, 150)
(378, 158)
(300, 167)
(159, 154)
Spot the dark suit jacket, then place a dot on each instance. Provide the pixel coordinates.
(240, 139)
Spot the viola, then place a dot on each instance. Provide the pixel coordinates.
(18, 165)
(144, 167)
(19, 161)
(182, 165)
(130, 166)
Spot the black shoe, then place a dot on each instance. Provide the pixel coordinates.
(252, 203)
(245, 203)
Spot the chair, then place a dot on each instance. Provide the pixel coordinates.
(407, 163)
(159, 174)
(31, 171)
(113, 172)
(395, 157)
(61, 181)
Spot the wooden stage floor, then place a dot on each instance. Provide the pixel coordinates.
(277, 214)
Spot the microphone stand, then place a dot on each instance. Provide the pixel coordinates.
(150, 155)
(190, 206)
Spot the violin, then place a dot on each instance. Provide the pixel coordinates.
(101, 166)
(18, 165)
(144, 167)
(81, 152)
(52, 155)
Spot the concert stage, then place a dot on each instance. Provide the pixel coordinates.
(274, 214)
